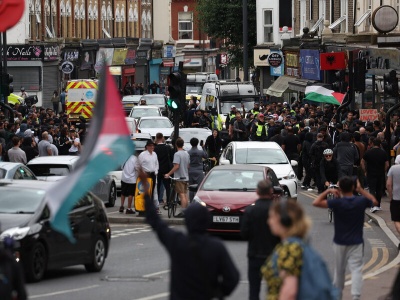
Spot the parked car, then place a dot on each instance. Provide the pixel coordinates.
(53, 168)
(25, 217)
(188, 133)
(140, 140)
(266, 154)
(130, 101)
(227, 190)
(159, 100)
(11, 170)
(144, 111)
(132, 125)
(153, 125)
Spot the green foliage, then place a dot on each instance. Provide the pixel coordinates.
(223, 20)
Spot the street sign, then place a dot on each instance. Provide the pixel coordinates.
(67, 67)
(11, 12)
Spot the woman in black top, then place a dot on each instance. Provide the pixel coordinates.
(65, 143)
(213, 145)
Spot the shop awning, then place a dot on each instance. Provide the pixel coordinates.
(279, 86)
(299, 85)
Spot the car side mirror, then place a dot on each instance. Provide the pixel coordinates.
(224, 162)
(193, 187)
(294, 163)
(278, 190)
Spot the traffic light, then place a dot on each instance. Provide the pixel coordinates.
(391, 84)
(7, 87)
(340, 85)
(360, 69)
(174, 89)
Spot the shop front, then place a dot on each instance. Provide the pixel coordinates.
(155, 64)
(143, 55)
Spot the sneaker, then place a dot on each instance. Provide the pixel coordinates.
(121, 209)
(378, 208)
(180, 215)
(310, 189)
(130, 211)
(374, 209)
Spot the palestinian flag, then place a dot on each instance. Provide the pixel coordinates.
(323, 95)
(108, 145)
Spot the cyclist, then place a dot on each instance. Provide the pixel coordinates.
(329, 169)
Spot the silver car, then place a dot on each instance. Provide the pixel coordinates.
(12, 170)
(53, 168)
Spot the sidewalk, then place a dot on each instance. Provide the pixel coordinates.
(378, 284)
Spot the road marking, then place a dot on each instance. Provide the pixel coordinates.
(373, 259)
(384, 260)
(130, 231)
(157, 296)
(156, 273)
(64, 292)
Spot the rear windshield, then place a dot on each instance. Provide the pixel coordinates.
(50, 170)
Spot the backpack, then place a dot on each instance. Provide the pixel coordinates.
(315, 281)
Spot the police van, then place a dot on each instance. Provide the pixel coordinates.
(195, 83)
(219, 96)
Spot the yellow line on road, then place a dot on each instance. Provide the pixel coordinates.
(384, 260)
(373, 259)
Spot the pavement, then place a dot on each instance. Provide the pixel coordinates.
(377, 284)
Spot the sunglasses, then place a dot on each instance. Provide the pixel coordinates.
(328, 155)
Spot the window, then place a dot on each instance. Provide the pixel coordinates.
(321, 12)
(344, 12)
(268, 26)
(303, 16)
(185, 26)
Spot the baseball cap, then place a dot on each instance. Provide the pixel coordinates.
(28, 133)
(397, 160)
(284, 103)
(233, 106)
(260, 115)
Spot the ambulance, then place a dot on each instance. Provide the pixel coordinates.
(80, 98)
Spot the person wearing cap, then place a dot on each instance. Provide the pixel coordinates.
(231, 116)
(259, 129)
(148, 161)
(393, 188)
(23, 93)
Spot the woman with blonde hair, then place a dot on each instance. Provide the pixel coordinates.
(283, 268)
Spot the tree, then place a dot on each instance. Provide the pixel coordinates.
(223, 20)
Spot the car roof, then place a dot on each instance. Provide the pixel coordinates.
(195, 129)
(9, 165)
(241, 167)
(145, 106)
(26, 184)
(61, 159)
(266, 145)
(154, 118)
(141, 135)
(153, 95)
(128, 97)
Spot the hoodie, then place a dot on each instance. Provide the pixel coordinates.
(201, 267)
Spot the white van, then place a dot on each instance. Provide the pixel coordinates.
(219, 96)
(195, 83)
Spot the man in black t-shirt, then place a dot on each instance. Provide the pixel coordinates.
(375, 163)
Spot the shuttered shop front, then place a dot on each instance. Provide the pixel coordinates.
(51, 81)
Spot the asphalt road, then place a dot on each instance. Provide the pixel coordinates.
(138, 268)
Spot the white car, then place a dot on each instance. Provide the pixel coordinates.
(13, 170)
(268, 154)
(53, 168)
(188, 133)
(153, 125)
(139, 112)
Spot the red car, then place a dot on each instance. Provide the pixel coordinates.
(227, 190)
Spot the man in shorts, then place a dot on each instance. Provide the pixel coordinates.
(128, 183)
(393, 188)
(181, 171)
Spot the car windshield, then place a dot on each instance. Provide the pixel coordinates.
(3, 173)
(194, 90)
(154, 100)
(50, 170)
(200, 135)
(20, 201)
(226, 105)
(232, 180)
(260, 156)
(138, 113)
(155, 123)
(140, 143)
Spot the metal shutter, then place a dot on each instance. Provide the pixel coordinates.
(51, 82)
(28, 77)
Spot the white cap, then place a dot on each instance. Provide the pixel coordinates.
(284, 103)
(233, 106)
(397, 160)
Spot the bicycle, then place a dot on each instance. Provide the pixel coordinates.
(329, 197)
(208, 164)
(173, 198)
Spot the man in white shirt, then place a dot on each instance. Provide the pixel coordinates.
(148, 161)
(128, 183)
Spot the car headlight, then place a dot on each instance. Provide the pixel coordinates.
(291, 175)
(16, 233)
(198, 200)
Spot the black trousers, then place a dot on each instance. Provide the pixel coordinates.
(167, 185)
(254, 276)
(152, 175)
(375, 183)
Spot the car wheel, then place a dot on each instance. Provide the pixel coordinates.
(37, 263)
(112, 197)
(286, 193)
(98, 256)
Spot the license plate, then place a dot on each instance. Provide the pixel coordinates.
(225, 219)
(129, 105)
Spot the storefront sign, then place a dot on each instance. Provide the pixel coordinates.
(169, 51)
(277, 71)
(142, 54)
(128, 71)
(333, 61)
(119, 56)
(168, 62)
(130, 57)
(87, 60)
(310, 66)
(275, 59)
(261, 57)
(292, 64)
(165, 70)
(116, 71)
(25, 52)
(156, 53)
(67, 67)
(192, 62)
(51, 53)
(104, 57)
(71, 54)
(368, 114)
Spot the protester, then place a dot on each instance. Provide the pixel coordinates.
(393, 188)
(196, 173)
(128, 183)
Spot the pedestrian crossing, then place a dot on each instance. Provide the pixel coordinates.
(129, 231)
